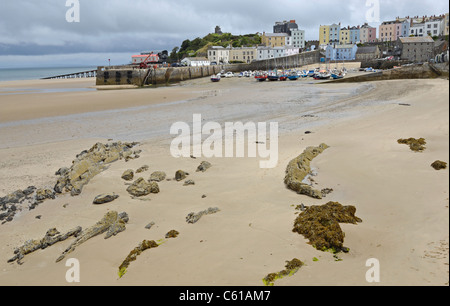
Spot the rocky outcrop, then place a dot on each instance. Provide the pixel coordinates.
(89, 163)
(112, 223)
(141, 188)
(298, 169)
(51, 237)
(320, 224)
(194, 217)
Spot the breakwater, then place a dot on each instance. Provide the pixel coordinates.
(131, 75)
(416, 71)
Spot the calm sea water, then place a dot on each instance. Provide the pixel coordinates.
(18, 74)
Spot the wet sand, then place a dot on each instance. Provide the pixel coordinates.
(402, 201)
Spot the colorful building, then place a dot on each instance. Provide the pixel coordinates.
(367, 34)
(324, 35)
(274, 39)
(341, 52)
(344, 36)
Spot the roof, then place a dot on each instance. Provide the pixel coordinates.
(367, 50)
(409, 40)
(276, 34)
(196, 59)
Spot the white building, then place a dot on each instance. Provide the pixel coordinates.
(195, 61)
(434, 26)
(219, 55)
(417, 29)
(263, 53)
(297, 38)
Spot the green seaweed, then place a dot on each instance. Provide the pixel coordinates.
(291, 268)
(320, 224)
(417, 145)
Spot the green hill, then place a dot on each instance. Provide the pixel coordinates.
(199, 46)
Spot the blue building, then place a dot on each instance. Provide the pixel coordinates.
(354, 35)
(341, 52)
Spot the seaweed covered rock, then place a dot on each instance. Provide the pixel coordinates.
(172, 234)
(298, 169)
(144, 245)
(51, 237)
(142, 169)
(320, 224)
(142, 188)
(112, 223)
(291, 268)
(417, 145)
(88, 164)
(439, 165)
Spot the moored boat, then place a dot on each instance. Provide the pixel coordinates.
(215, 78)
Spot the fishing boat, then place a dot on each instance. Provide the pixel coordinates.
(337, 76)
(293, 76)
(215, 78)
(261, 77)
(322, 75)
(273, 76)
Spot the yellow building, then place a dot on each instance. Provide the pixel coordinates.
(244, 54)
(324, 34)
(344, 36)
(446, 24)
(274, 39)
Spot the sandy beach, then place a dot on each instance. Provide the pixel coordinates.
(401, 199)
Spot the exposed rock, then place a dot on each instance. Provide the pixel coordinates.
(417, 145)
(320, 224)
(142, 169)
(158, 176)
(204, 165)
(291, 268)
(194, 217)
(172, 234)
(142, 188)
(128, 175)
(326, 191)
(180, 175)
(51, 237)
(42, 194)
(189, 182)
(105, 198)
(112, 223)
(144, 245)
(88, 164)
(299, 168)
(150, 225)
(439, 165)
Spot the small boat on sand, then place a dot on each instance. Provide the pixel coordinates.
(215, 78)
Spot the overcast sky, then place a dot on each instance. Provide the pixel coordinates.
(36, 33)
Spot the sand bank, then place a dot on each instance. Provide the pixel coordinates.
(401, 199)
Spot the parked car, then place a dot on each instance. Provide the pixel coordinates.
(213, 63)
(229, 74)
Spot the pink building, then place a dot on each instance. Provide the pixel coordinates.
(367, 34)
(388, 31)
